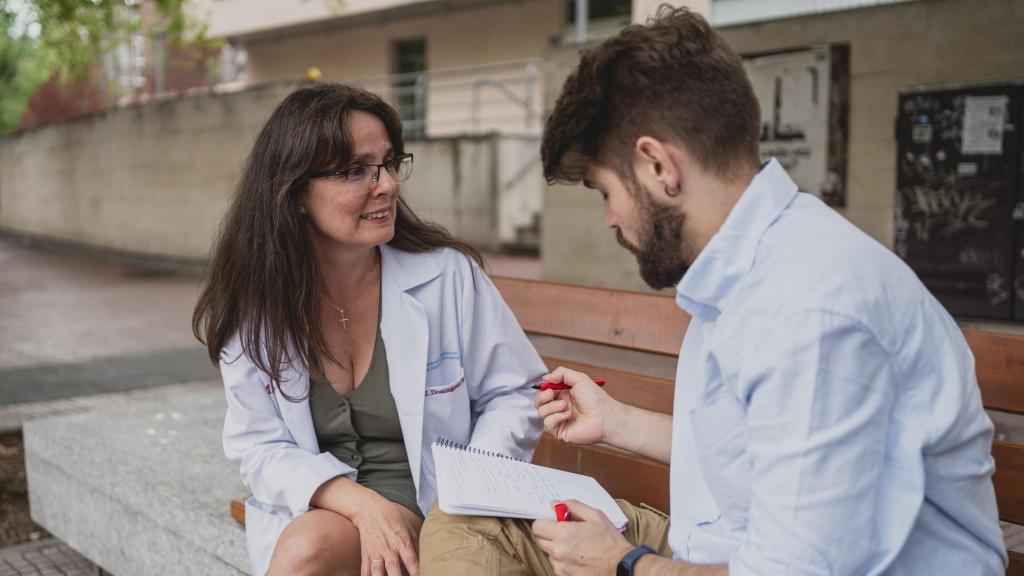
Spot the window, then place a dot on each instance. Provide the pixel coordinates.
(410, 90)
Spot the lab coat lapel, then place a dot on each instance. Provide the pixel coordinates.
(404, 330)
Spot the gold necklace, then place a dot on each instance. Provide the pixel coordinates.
(342, 319)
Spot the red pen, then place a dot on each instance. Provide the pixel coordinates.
(562, 512)
(553, 386)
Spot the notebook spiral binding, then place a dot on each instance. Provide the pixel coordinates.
(446, 443)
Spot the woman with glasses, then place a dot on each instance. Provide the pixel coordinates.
(350, 334)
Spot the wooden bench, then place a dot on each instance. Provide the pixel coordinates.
(654, 325)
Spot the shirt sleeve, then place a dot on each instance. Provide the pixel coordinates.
(272, 465)
(818, 391)
(501, 366)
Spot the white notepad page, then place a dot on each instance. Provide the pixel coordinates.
(478, 483)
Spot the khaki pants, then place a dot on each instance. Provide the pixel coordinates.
(482, 546)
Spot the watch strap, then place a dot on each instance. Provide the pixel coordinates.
(625, 567)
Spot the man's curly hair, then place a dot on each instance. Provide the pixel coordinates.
(674, 79)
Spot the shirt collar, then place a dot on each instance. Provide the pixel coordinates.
(729, 255)
(407, 269)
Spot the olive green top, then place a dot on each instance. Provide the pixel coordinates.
(361, 429)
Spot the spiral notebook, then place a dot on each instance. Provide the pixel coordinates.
(475, 482)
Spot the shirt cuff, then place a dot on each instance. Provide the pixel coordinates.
(310, 476)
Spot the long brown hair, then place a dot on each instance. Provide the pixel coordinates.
(262, 281)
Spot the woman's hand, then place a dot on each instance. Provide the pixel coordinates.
(577, 415)
(388, 538)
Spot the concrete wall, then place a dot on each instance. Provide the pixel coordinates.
(149, 179)
(487, 190)
(891, 47)
(155, 179)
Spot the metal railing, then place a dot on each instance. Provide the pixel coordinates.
(499, 97)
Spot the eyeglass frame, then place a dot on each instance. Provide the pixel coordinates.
(396, 161)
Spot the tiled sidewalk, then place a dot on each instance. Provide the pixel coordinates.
(48, 557)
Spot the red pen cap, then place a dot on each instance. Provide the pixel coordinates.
(562, 512)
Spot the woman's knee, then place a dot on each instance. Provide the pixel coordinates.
(311, 548)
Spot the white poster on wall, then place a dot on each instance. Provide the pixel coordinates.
(793, 90)
(983, 125)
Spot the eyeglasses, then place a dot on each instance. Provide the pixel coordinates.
(399, 167)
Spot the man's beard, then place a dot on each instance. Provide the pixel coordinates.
(660, 250)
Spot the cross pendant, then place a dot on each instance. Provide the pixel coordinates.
(343, 320)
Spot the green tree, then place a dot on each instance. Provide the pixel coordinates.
(24, 65)
(70, 37)
(79, 32)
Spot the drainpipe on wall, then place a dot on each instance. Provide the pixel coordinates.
(158, 61)
(582, 7)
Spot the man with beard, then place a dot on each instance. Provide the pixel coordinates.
(827, 419)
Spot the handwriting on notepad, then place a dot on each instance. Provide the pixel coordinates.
(502, 478)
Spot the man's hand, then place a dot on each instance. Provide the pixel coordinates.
(589, 544)
(579, 414)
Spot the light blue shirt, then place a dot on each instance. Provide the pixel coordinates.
(827, 416)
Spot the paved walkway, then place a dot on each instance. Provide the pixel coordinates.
(58, 309)
(48, 557)
(78, 332)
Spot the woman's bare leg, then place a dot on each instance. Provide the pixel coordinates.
(321, 542)
(317, 542)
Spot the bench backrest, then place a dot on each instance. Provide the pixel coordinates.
(654, 324)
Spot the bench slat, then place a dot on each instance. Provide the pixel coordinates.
(1000, 365)
(1009, 480)
(633, 320)
(645, 392)
(623, 475)
(238, 511)
(1016, 567)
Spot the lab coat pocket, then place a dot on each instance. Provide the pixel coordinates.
(263, 526)
(720, 436)
(447, 406)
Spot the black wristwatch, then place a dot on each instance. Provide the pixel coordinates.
(625, 567)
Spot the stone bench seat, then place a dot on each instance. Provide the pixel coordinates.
(140, 489)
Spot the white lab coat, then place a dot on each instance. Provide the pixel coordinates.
(459, 367)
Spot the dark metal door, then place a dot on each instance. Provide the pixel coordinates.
(957, 170)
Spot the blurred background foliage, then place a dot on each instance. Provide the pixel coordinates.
(53, 53)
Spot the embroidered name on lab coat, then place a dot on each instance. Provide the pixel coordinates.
(446, 389)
